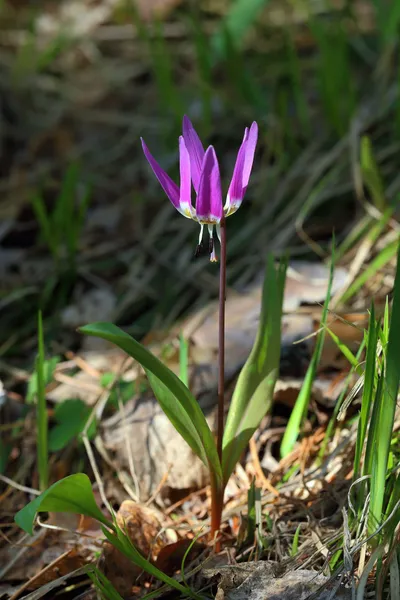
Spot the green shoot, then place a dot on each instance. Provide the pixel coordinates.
(105, 588)
(183, 359)
(41, 412)
(295, 544)
(380, 260)
(382, 425)
(62, 227)
(300, 409)
(371, 175)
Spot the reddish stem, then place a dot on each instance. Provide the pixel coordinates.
(221, 340)
(217, 492)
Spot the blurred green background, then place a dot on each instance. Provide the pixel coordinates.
(87, 233)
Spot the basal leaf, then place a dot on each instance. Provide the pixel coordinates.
(253, 392)
(72, 494)
(188, 417)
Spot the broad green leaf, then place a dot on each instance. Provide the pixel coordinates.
(71, 416)
(176, 414)
(179, 404)
(255, 410)
(254, 389)
(72, 494)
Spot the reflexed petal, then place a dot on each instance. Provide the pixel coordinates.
(195, 149)
(235, 190)
(169, 186)
(242, 170)
(250, 151)
(185, 200)
(209, 200)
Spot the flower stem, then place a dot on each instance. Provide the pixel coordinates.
(221, 340)
(217, 492)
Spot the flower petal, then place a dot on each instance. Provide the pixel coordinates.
(185, 200)
(235, 191)
(242, 170)
(209, 200)
(250, 151)
(169, 186)
(195, 149)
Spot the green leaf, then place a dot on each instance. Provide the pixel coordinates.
(71, 417)
(103, 585)
(347, 353)
(368, 390)
(176, 413)
(72, 494)
(178, 403)
(122, 542)
(386, 410)
(49, 235)
(254, 389)
(253, 503)
(377, 263)
(295, 545)
(183, 359)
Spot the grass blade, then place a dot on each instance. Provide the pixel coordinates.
(375, 265)
(300, 408)
(387, 408)
(41, 411)
(48, 232)
(371, 175)
(368, 390)
(183, 359)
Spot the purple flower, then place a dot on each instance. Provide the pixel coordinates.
(200, 169)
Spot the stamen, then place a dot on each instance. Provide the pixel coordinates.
(200, 250)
